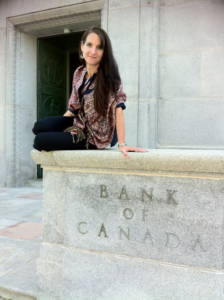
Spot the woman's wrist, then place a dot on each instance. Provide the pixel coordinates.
(121, 144)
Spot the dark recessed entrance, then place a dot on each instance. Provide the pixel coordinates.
(57, 59)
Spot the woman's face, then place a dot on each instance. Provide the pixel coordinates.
(92, 52)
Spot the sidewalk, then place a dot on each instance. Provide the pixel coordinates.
(20, 235)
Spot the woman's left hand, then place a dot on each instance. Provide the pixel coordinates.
(126, 149)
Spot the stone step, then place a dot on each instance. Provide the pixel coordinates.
(37, 183)
(18, 269)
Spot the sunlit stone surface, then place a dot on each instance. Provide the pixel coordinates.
(147, 227)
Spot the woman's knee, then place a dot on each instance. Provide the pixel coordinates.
(39, 142)
(38, 126)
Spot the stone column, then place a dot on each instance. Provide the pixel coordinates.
(147, 227)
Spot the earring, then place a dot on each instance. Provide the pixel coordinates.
(81, 56)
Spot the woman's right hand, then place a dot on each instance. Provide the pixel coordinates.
(68, 114)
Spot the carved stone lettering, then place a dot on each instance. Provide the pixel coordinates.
(103, 191)
(198, 242)
(125, 233)
(102, 229)
(79, 228)
(175, 240)
(148, 236)
(170, 199)
(128, 213)
(124, 193)
(149, 196)
(144, 214)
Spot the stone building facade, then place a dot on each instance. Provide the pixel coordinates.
(170, 55)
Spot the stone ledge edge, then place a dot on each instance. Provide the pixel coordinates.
(14, 294)
(163, 161)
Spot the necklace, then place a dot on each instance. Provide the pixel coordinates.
(87, 81)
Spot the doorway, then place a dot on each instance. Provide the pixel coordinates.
(57, 60)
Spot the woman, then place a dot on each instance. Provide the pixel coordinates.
(94, 119)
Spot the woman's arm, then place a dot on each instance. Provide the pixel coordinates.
(68, 114)
(120, 125)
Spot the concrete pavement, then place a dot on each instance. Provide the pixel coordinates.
(20, 235)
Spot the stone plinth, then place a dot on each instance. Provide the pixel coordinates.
(147, 227)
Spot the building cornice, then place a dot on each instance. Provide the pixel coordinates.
(59, 16)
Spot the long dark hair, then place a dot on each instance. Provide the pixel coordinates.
(108, 77)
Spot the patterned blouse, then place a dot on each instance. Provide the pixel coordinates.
(101, 129)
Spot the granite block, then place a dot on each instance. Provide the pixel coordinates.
(2, 65)
(197, 24)
(50, 282)
(210, 163)
(67, 273)
(14, 253)
(43, 157)
(175, 2)
(2, 39)
(167, 219)
(28, 167)
(212, 73)
(145, 52)
(179, 75)
(126, 53)
(131, 123)
(51, 252)
(147, 123)
(28, 69)
(104, 17)
(191, 123)
(115, 278)
(53, 206)
(9, 67)
(21, 283)
(116, 4)
(2, 128)
(148, 227)
(2, 169)
(8, 145)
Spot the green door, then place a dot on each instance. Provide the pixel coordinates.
(58, 58)
(51, 83)
(51, 80)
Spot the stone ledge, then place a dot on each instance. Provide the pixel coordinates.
(207, 162)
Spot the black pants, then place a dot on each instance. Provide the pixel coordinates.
(50, 136)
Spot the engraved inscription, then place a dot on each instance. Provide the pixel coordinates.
(172, 240)
(170, 199)
(128, 213)
(123, 195)
(198, 244)
(127, 234)
(103, 191)
(146, 196)
(102, 229)
(80, 228)
(144, 214)
(147, 214)
(149, 196)
(148, 236)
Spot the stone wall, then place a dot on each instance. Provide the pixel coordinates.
(147, 227)
(191, 71)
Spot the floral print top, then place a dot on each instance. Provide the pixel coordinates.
(101, 128)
